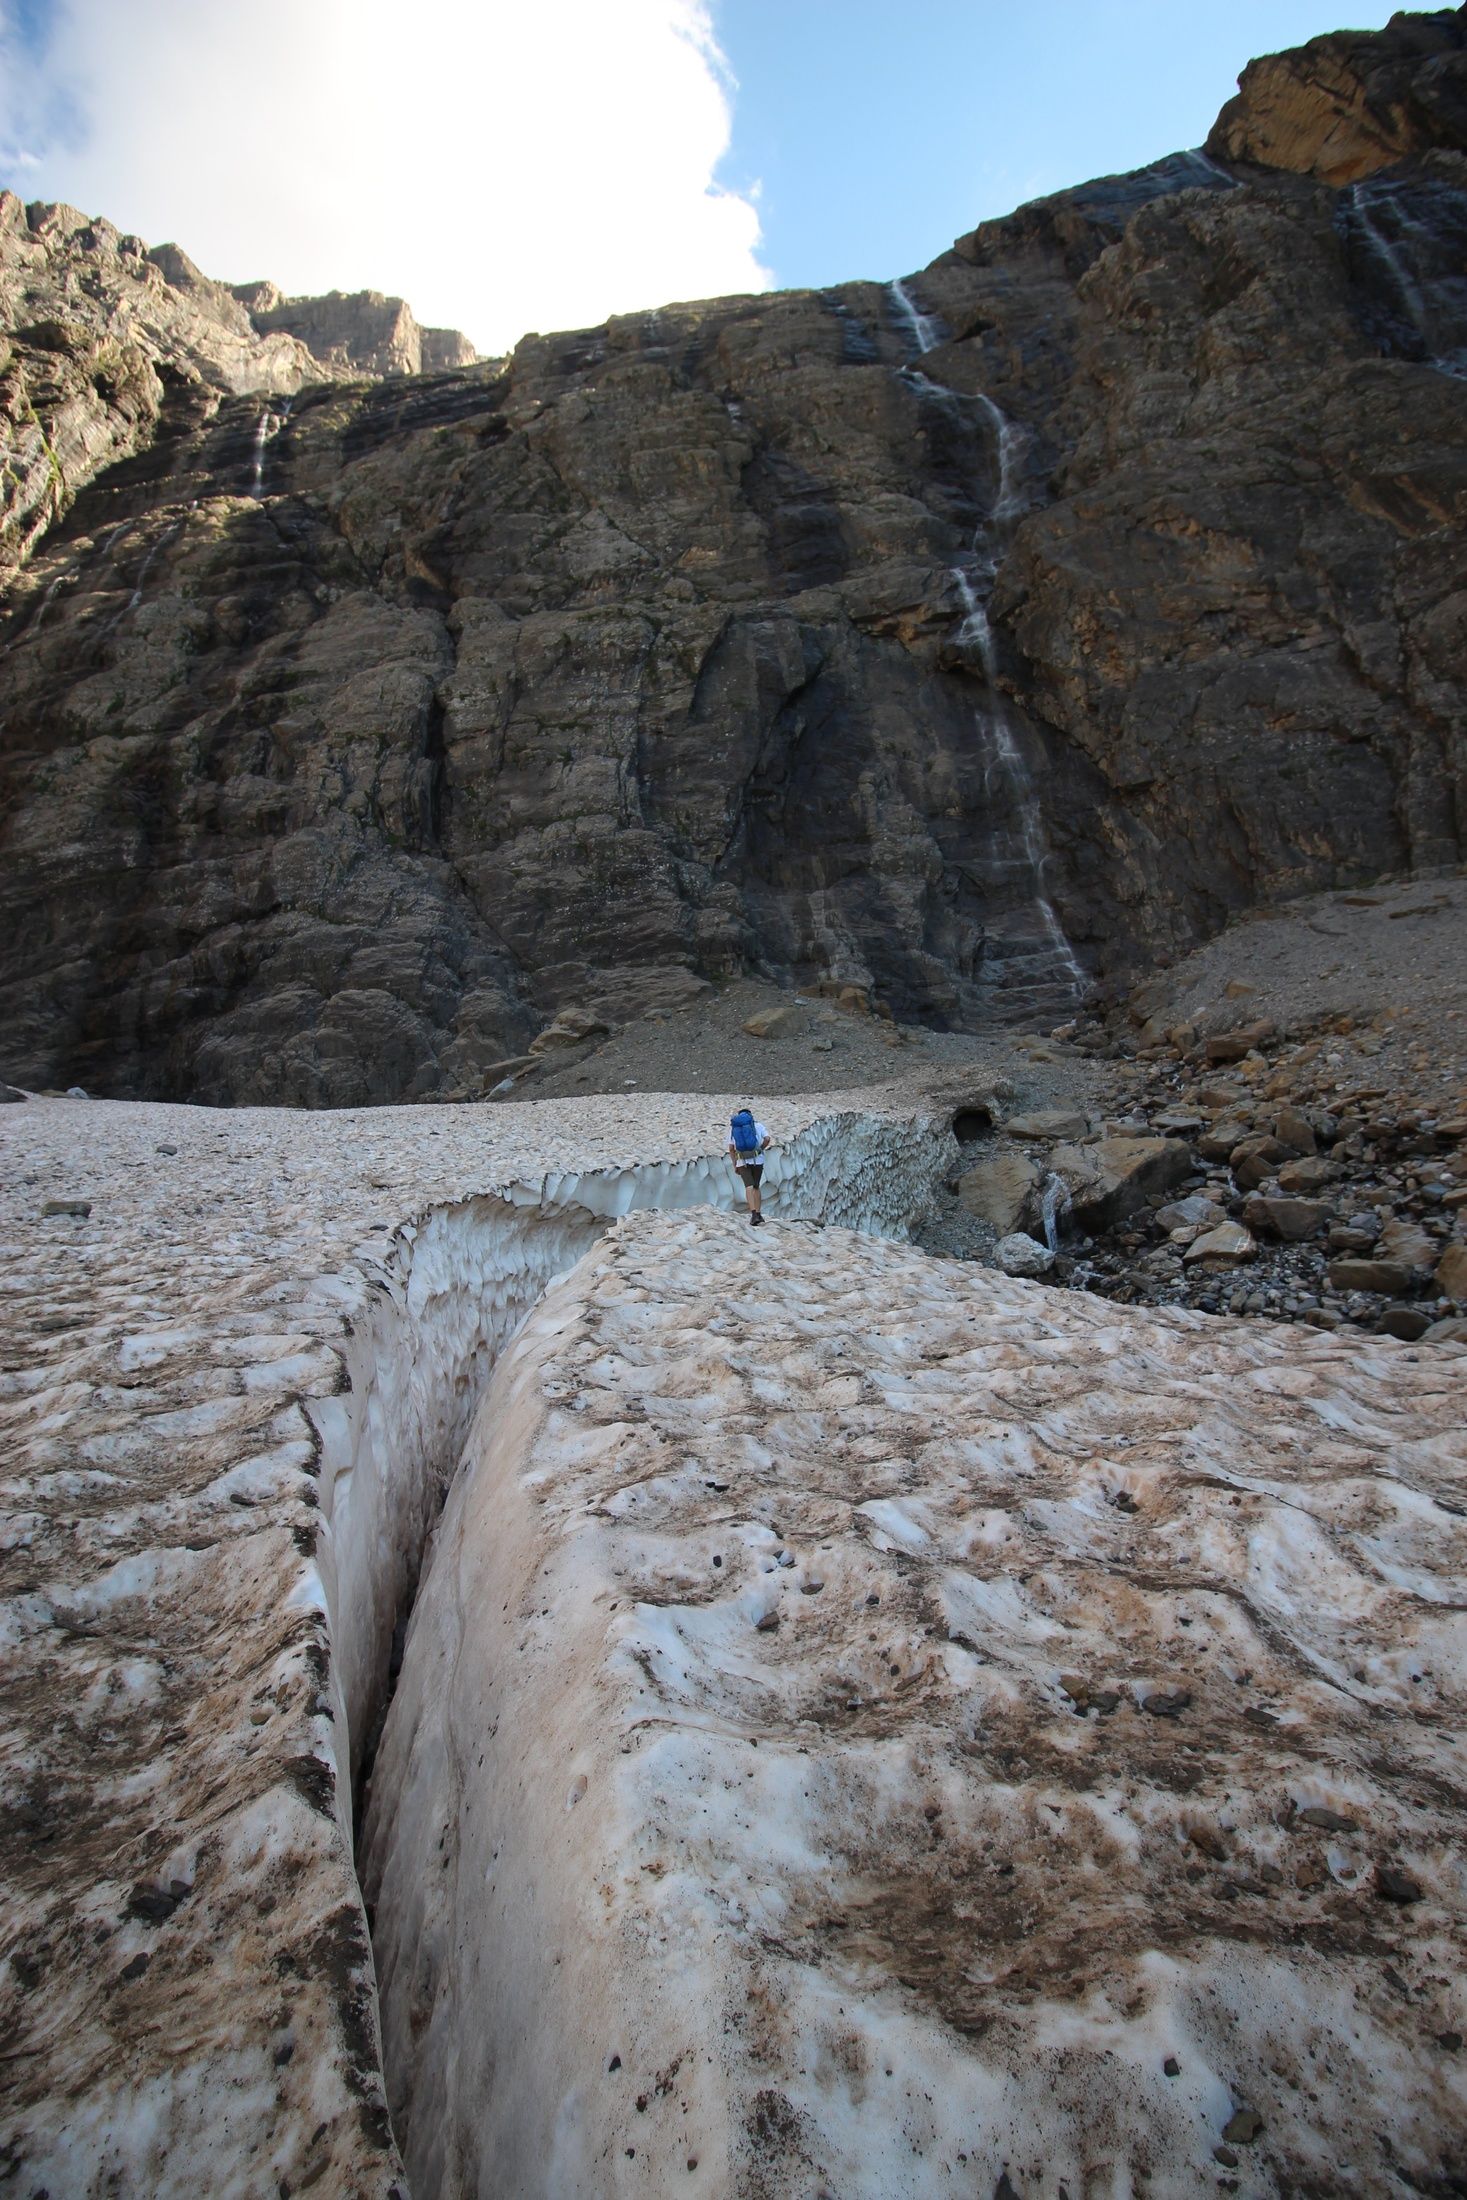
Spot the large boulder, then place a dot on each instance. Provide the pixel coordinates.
(1117, 1176)
(1384, 1276)
(1021, 1255)
(1451, 1272)
(1048, 1123)
(1291, 1219)
(1406, 1242)
(1225, 1247)
(998, 1189)
(784, 1021)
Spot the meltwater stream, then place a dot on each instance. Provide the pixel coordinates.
(1052, 961)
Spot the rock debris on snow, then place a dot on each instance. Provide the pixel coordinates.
(889, 1706)
(238, 1373)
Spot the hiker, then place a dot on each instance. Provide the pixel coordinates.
(747, 1141)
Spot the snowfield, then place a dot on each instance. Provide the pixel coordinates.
(866, 1725)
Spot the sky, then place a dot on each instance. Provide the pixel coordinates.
(509, 165)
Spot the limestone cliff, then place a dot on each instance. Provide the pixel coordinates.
(941, 640)
(94, 326)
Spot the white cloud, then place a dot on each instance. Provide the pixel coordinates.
(504, 165)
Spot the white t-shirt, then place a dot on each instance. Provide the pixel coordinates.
(761, 1135)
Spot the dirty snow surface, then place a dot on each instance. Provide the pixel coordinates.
(875, 1727)
(235, 1386)
(866, 1725)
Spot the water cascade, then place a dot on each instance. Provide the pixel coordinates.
(1034, 971)
(1428, 318)
(1208, 167)
(1054, 1198)
(924, 332)
(267, 427)
(169, 534)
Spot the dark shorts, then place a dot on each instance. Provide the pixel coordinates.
(750, 1171)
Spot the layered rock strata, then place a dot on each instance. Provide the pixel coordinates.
(358, 332)
(1102, 580)
(98, 330)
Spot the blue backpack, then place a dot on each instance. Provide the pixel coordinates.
(743, 1134)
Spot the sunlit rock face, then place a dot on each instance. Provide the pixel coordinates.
(1116, 574)
(99, 328)
(1352, 102)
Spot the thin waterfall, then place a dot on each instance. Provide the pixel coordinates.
(46, 602)
(1196, 158)
(1054, 1198)
(147, 565)
(169, 534)
(1405, 291)
(1031, 832)
(972, 581)
(924, 331)
(1009, 441)
(257, 469)
(1430, 308)
(267, 427)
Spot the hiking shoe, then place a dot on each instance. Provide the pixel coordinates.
(755, 1220)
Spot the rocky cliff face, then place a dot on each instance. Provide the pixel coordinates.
(1348, 104)
(357, 332)
(96, 327)
(956, 642)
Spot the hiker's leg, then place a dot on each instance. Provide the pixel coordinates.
(756, 1199)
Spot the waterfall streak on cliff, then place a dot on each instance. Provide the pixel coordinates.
(45, 605)
(267, 427)
(1009, 443)
(1005, 759)
(169, 534)
(1196, 158)
(1021, 784)
(920, 327)
(1412, 305)
(257, 467)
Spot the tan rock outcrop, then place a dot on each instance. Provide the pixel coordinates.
(1352, 102)
(999, 1188)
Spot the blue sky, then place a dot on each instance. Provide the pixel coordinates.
(509, 165)
(878, 130)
